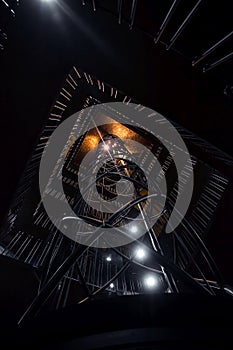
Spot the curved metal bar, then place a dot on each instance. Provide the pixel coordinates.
(129, 206)
(161, 260)
(51, 285)
(136, 262)
(180, 273)
(124, 267)
(121, 167)
(102, 176)
(70, 260)
(168, 264)
(188, 279)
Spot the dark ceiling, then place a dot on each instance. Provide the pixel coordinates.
(46, 38)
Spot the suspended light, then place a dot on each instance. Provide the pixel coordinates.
(140, 254)
(134, 229)
(111, 285)
(151, 282)
(109, 258)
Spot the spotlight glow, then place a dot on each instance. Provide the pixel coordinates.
(134, 229)
(111, 285)
(106, 147)
(140, 254)
(151, 282)
(109, 258)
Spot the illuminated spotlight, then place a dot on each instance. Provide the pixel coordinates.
(151, 282)
(109, 258)
(140, 254)
(111, 285)
(134, 229)
(48, 0)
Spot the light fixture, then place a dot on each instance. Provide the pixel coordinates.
(111, 285)
(140, 254)
(134, 229)
(109, 258)
(151, 282)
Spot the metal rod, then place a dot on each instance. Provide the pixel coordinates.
(119, 6)
(69, 277)
(60, 290)
(134, 261)
(124, 267)
(5, 3)
(217, 63)
(94, 5)
(205, 252)
(51, 285)
(211, 49)
(166, 20)
(32, 252)
(182, 26)
(3, 35)
(185, 249)
(49, 257)
(132, 15)
(82, 280)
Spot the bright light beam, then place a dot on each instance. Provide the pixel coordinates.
(134, 229)
(151, 282)
(140, 254)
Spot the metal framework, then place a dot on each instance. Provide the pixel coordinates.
(210, 66)
(183, 25)
(211, 49)
(171, 13)
(166, 20)
(132, 14)
(73, 273)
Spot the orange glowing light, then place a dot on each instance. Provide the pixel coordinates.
(90, 142)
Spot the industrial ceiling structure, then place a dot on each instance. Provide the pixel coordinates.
(59, 57)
